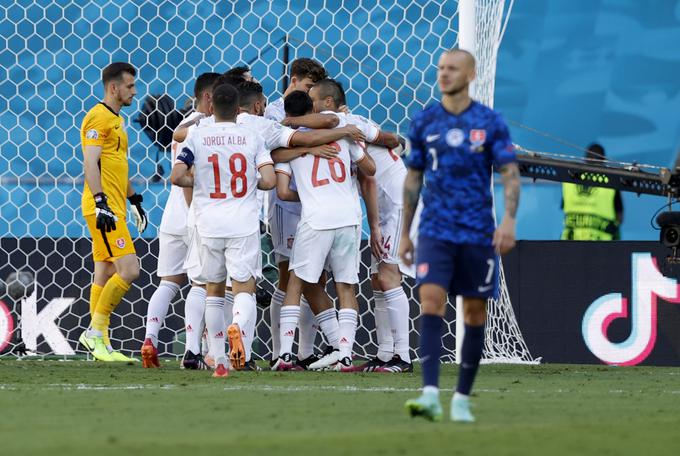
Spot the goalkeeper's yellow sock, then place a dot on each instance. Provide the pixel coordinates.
(95, 293)
(112, 294)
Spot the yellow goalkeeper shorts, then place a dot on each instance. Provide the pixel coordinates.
(111, 245)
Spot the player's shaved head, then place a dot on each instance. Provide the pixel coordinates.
(466, 56)
(115, 72)
(455, 71)
(328, 88)
(297, 104)
(225, 102)
(204, 82)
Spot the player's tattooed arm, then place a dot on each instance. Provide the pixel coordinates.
(412, 185)
(369, 193)
(511, 187)
(504, 236)
(314, 121)
(284, 155)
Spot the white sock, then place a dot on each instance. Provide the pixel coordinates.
(275, 319)
(194, 311)
(328, 322)
(245, 314)
(347, 320)
(158, 309)
(249, 330)
(214, 322)
(308, 329)
(228, 307)
(398, 310)
(289, 319)
(382, 327)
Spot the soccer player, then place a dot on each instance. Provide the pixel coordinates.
(226, 158)
(454, 146)
(284, 217)
(173, 243)
(105, 152)
(383, 207)
(326, 235)
(277, 136)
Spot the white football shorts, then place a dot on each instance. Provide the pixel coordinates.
(241, 257)
(172, 251)
(336, 249)
(283, 225)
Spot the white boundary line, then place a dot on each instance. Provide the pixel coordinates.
(288, 389)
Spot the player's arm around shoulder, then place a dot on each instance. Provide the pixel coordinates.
(283, 177)
(267, 180)
(364, 161)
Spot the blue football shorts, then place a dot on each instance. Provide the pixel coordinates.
(464, 270)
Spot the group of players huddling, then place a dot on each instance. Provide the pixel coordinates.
(315, 159)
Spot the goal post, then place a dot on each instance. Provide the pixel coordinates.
(385, 54)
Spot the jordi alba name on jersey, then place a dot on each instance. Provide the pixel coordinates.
(456, 153)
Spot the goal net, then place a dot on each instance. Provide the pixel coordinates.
(53, 52)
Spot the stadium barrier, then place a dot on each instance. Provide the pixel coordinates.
(596, 302)
(576, 302)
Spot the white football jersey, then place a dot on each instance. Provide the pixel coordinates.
(390, 170)
(325, 187)
(275, 110)
(174, 219)
(277, 113)
(274, 134)
(226, 157)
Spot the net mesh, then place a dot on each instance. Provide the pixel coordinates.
(53, 52)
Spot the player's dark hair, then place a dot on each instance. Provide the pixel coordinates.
(331, 88)
(595, 151)
(237, 72)
(204, 83)
(298, 104)
(231, 79)
(225, 101)
(248, 93)
(307, 68)
(116, 70)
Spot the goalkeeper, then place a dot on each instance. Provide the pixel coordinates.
(105, 152)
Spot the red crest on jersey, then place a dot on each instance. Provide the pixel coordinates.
(120, 242)
(477, 137)
(422, 269)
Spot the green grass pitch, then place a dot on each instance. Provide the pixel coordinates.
(78, 407)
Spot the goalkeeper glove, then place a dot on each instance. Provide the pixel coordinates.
(138, 212)
(106, 219)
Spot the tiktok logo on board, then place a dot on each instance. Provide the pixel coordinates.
(648, 285)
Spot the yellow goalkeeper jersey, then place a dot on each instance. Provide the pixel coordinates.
(105, 128)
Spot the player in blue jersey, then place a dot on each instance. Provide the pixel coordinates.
(455, 145)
